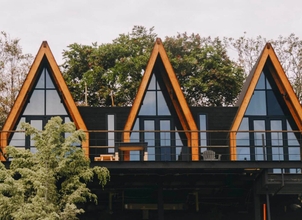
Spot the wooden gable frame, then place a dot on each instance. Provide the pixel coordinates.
(43, 53)
(176, 95)
(269, 59)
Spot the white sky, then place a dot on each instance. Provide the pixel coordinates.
(63, 22)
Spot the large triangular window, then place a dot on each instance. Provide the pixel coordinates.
(268, 117)
(155, 118)
(44, 94)
(43, 103)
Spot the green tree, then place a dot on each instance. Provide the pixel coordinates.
(14, 66)
(50, 183)
(112, 72)
(207, 75)
(288, 50)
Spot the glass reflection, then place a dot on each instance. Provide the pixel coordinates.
(257, 105)
(261, 82)
(49, 83)
(54, 106)
(149, 137)
(165, 140)
(36, 103)
(162, 107)
(148, 106)
(18, 138)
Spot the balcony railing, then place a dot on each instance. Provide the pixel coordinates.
(174, 145)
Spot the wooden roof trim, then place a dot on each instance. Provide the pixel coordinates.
(286, 89)
(177, 89)
(61, 84)
(249, 92)
(186, 113)
(283, 85)
(141, 89)
(21, 98)
(44, 51)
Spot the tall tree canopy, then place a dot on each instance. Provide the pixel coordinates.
(14, 66)
(51, 183)
(207, 75)
(288, 50)
(112, 72)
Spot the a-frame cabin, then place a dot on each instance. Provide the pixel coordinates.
(44, 94)
(267, 103)
(169, 160)
(160, 104)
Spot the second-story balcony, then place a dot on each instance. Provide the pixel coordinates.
(164, 146)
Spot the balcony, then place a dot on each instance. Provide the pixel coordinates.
(172, 146)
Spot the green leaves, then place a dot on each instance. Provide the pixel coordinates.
(50, 183)
(112, 72)
(207, 76)
(14, 66)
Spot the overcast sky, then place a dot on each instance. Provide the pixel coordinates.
(63, 22)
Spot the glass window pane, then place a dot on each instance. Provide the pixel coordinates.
(18, 138)
(178, 140)
(243, 153)
(149, 125)
(261, 82)
(151, 153)
(165, 137)
(203, 127)
(54, 106)
(277, 139)
(273, 106)
(268, 85)
(148, 106)
(242, 138)
(36, 104)
(291, 137)
(259, 137)
(294, 153)
(111, 135)
(149, 137)
(49, 83)
(41, 81)
(162, 106)
(38, 124)
(278, 153)
(134, 155)
(260, 152)
(257, 105)
(152, 83)
(134, 137)
(177, 152)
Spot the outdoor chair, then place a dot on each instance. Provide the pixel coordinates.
(210, 155)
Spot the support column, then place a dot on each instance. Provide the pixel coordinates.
(160, 201)
(257, 204)
(268, 210)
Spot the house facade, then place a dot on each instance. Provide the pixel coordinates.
(169, 160)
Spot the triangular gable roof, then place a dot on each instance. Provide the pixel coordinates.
(43, 53)
(269, 59)
(176, 95)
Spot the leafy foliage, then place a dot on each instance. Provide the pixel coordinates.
(50, 183)
(112, 72)
(204, 70)
(288, 50)
(14, 66)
